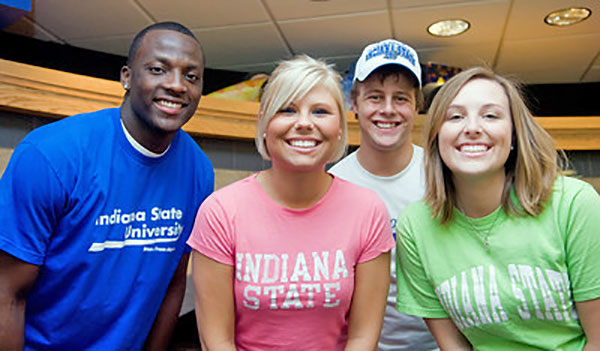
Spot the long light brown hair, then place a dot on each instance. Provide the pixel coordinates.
(531, 167)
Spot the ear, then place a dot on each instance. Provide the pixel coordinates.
(354, 108)
(125, 76)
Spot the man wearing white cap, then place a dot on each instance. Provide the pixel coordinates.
(386, 97)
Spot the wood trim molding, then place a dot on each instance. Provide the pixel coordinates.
(45, 92)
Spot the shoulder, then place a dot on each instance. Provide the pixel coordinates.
(351, 189)
(75, 129)
(237, 192)
(568, 188)
(416, 211)
(190, 146)
(344, 165)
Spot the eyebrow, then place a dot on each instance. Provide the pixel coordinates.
(167, 61)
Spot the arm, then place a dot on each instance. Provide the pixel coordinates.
(589, 317)
(371, 285)
(447, 336)
(168, 314)
(16, 277)
(215, 308)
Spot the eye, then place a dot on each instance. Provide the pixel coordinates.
(192, 77)
(287, 110)
(321, 111)
(156, 69)
(491, 116)
(454, 117)
(374, 98)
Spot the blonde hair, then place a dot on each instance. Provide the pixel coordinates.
(531, 167)
(291, 81)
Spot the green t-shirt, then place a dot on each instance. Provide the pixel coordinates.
(517, 295)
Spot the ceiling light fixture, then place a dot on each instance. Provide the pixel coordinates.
(567, 17)
(448, 28)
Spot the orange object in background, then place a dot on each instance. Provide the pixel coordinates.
(248, 90)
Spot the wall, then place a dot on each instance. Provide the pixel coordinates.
(236, 159)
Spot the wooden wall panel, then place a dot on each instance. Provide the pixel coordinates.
(44, 92)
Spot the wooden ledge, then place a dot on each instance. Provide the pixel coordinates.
(45, 92)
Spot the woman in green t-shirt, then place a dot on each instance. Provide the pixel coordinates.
(501, 254)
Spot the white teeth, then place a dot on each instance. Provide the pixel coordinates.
(169, 104)
(385, 125)
(303, 143)
(473, 148)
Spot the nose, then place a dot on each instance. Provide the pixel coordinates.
(387, 106)
(304, 120)
(175, 82)
(472, 125)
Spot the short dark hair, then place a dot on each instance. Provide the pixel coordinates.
(174, 26)
(385, 71)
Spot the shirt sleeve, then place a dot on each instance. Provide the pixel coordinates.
(416, 295)
(213, 234)
(583, 243)
(379, 237)
(32, 200)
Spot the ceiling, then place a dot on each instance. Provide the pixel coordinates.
(252, 35)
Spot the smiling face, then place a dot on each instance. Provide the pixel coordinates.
(386, 111)
(165, 85)
(304, 135)
(475, 138)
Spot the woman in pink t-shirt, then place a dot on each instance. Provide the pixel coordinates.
(292, 258)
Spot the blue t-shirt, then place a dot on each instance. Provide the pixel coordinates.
(105, 224)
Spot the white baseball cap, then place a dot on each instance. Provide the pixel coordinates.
(387, 52)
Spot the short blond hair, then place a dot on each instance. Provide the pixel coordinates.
(291, 81)
(531, 167)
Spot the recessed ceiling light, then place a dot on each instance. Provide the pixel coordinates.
(448, 28)
(567, 17)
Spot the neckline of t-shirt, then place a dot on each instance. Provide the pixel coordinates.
(132, 151)
(272, 203)
(483, 223)
(411, 164)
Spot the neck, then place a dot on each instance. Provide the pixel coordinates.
(385, 163)
(294, 189)
(153, 140)
(477, 198)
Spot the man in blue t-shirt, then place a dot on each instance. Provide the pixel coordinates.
(95, 211)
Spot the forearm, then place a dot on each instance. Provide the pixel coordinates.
(16, 278)
(168, 314)
(365, 343)
(12, 322)
(223, 345)
(371, 285)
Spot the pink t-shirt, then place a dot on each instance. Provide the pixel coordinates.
(293, 269)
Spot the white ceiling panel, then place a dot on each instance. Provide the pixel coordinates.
(336, 35)
(406, 4)
(204, 14)
(241, 45)
(75, 19)
(464, 56)
(593, 75)
(486, 19)
(293, 9)
(530, 15)
(118, 45)
(342, 63)
(252, 35)
(26, 27)
(254, 68)
(538, 61)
